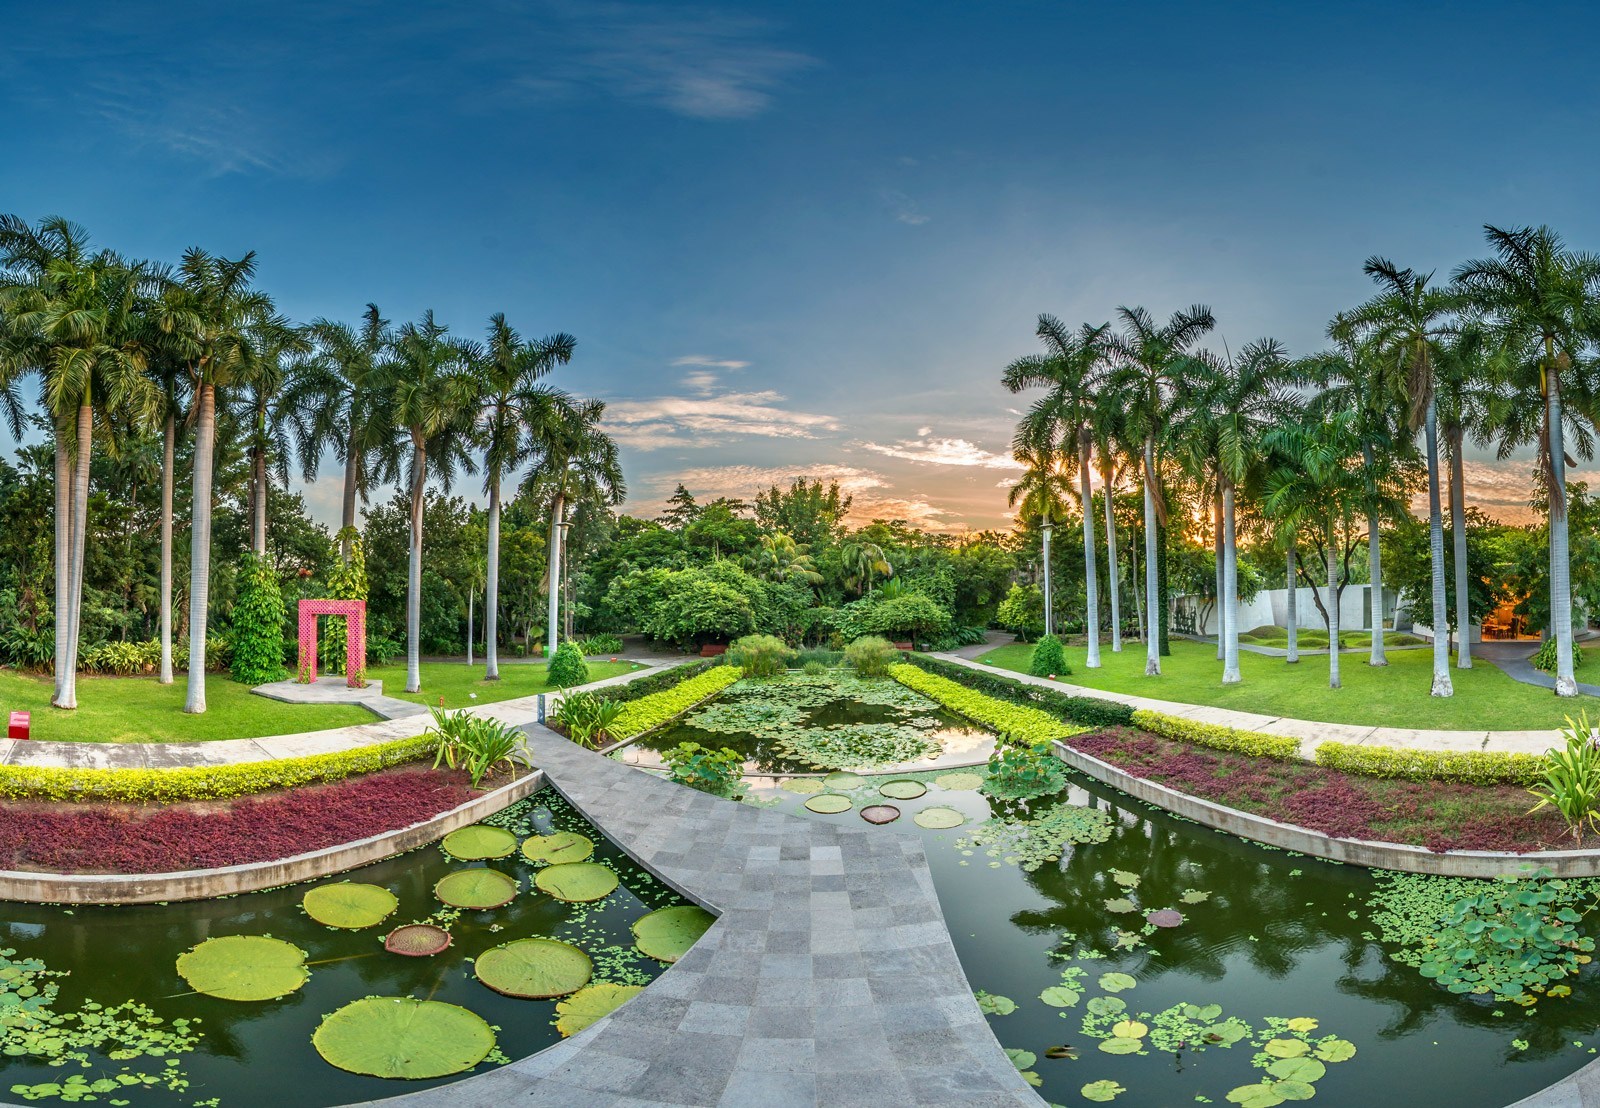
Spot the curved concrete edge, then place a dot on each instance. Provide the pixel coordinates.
(1358, 852)
(1576, 1090)
(205, 884)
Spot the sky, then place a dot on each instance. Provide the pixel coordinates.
(805, 238)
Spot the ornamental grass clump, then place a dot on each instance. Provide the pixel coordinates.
(1545, 658)
(1571, 780)
(871, 655)
(588, 718)
(760, 655)
(1049, 659)
(476, 744)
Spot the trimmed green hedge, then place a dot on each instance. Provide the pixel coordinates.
(1014, 722)
(1217, 736)
(166, 786)
(652, 683)
(646, 713)
(1089, 711)
(1471, 767)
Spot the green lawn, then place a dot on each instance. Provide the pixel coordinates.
(1395, 695)
(1309, 638)
(457, 682)
(142, 710)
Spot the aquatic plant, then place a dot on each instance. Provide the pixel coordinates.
(1024, 772)
(534, 969)
(871, 656)
(646, 713)
(476, 888)
(478, 842)
(700, 767)
(1033, 841)
(244, 967)
(591, 1004)
(856, 745)
(577, 882)
(349, 905)
(400, 1036)
(557, 848)
(667, 933)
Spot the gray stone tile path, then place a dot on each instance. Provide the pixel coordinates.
(333, 690)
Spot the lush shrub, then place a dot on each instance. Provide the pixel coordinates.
(477, 744)
(165, 786)
(121, 659)
(1022, 612)
(871, 656)
(814, 669)
(1216, 736)
(1049, 659)
(1090, 711)
(1474, 767)
(912, 614)
(601, 644)
(649, 712)
(31, 649)
(1024, 772)
(1571, 780)
(1545, 658)
(825, 658)
(659, 680)
(567, 667)
(1017, 724)
(700, 767)
(760, 655)
(957, 635)
(219, 651)
(588, 717)
(258, 621)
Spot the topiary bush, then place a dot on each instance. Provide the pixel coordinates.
(258, 620)
(1049, 659)
(567, 667)
(760, 655)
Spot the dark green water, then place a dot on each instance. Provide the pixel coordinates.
(1280, 935)
(261, 1054)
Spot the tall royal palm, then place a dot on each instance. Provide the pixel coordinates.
(1149, 360)
(1039, 494)
(1406, 322)
(169, 370)
(1541, 305)
(515, 405)
(261, 410)
(1072, 370)
(1110, 425)
(1467, 394)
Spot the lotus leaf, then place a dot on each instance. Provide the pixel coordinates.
(476, 888)
(1116, 982)
(592, 1004)
(880, 813)
(902, 790)
(1335, 1050)
(1202, 1013)
(536, 969)
(1297, 1069)
(844, 782)
(959, 782)
(479, 842)
(1106, 1005)
(830, 804)
(1129, 1029)
(805, 786)
(1285, 1048)
(244, 967)
(1121, 904)
(1101, 1091)
(939, 818)
(349, 905)
(1121, 1046)
(577, 882)
(992, 1005)
(557, 849)
(417, 940)
(1059, 996)
(399, 1036)
(667, 933)
(1226, 1033)
(1255, 1096)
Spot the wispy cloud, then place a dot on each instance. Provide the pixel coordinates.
(710, 416)
(709, 363)
(904, 208)
(872, 496)
(928, 450)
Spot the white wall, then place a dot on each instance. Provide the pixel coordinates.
(1271, 606)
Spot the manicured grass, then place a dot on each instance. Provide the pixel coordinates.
(1395, 695)
(1353, 640)
(142, 710)
(462, 685)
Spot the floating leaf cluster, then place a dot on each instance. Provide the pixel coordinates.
(1033, 841)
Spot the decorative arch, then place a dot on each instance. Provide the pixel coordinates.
(355, 640)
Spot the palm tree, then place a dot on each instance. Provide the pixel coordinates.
(1406, 321)
(573, 459)
(1149, 359)
(1541, 306)
(169, 370)
(515, 405)
(264, 413)
(1040, 493)
(436, 387)
(1466, 396)
(1109, 423)
(780, 559)
(863, 560)
(1072, 369)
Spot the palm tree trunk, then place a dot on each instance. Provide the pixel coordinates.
(1049, 601)
(491, 597)
(200, 545)
(1091, 575)
(80, 532)
(1230, 591)
(1291, 604)
(63, 561)
(1458, 527)
(1217, 558)
(1376, 657)
(1333, 609)
(258, 502)
(472, 595)
(1152, 586)
(1441, 621)
(1560, 565)
(419, 480)
(1133, 584)
(169, 435)
(553, 570)
(1113, 571)
(352, 474)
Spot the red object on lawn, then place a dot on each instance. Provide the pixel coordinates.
(18, 728)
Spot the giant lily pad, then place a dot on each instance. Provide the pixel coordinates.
(244, 967)
(959, 782)
(830, 804)
(558, 849)
(537, 969)
(417, 940)
(478, 842)
(476, 888)
(667, 933)
(577, 882)
(349, 905)
(399, 1036)
(805, 786)
(880, 813)
(902, 790)
(939, 818)
(592, 1004)
(844, 782)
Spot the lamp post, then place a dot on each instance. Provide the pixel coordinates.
(1049, 615)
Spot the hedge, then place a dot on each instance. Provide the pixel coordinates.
(646, 713)
(166, 786)
(652, 683)
(1472, 767)
(1217, 736)
(1015, 722)
(1089, 711)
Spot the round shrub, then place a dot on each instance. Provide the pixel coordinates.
(1049, 660)
(259, 616)
(814, 668)
(871, 655)
(567, 667)
(760, 655)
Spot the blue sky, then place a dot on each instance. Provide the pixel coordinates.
(805, 238)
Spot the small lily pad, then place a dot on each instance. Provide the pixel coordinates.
(1126, 879)
(844, 782)
(591, 1004)
(1260, 1095)
(1106, 1005)
(667, 933)
(991, 1004)
(534, 969)
(1059, 996)
(1285, 1048)
(1202, 1013)
(805, 786)
(939, 818)
(830, 804)
(959, 782)
(479, 842)
(1101, 1091)
(1121, 904)
(1121, 1046)
(1294, 1090)
(1226, 1033)
(1130, 1029)
(902, 790)
(1164, 917)
(1116, 982)
(1194, 896)
(1297, 1069)
(399, 1036)
(880, 813)
(244, 967)
(1335, 1050)
(476, 888)
(349, 905)
(558, 849)
(417, 940)
(1022, 1059)
(577, 882)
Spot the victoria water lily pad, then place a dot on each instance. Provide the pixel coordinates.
(556, 849)
(844, 782)
(536, 969)
(476, 888)
(667, 933)
(1059, 996)
(939, 818)
(1116, 982)
(393, 1036)
(478, 842)
(1101, 1091)
(830, 804)
(959, 782)
(1164, 917)
(349, 905)
(902, 790)
(244, 967)
(586, 1006)
(880, 813)
(417, 940)
(805, 786)
(577, 882)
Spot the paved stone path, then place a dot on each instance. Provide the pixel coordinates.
(333, 690)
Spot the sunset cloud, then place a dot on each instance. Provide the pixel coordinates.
(927, 450)
(710, 417)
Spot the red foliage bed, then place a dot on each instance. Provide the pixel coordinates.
(74, 838)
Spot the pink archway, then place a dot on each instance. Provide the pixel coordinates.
(355, 640)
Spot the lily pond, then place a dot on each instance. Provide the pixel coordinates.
(250, 1001)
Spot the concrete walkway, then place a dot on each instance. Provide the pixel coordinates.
(333, 690)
